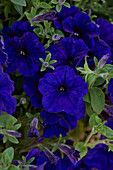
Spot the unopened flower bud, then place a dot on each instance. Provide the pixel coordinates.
(61, 2)
(33, 132)
(103, 61)
(72, 154)
(23, 100)
(53, 158)
(46, 16)
(13, 133)
(56, 37)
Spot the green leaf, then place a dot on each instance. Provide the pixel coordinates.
(96, 62)
(108, 67)
(92, 121)
(51, 67)
(13, 167)
(91, 79)
(99, 81)
(43, 68)
(30, 160)
(45, 5)
(5, 139)
(13, 139)
(9, 123)
(55, 148)
(86, 65)
(97, 99)
(108, 132)
(41, 59)
(89, 109)
(19, 8)
(19, 2)
(16, 127)
(66, 4)
(58, 8)
(33, 11)
(29, 115)
(83, 149)
(7, 159)
(10, 154)
(86, 98)
(54, 2)
(52, 61)
(48, 57)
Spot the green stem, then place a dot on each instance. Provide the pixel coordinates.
(89, 137)
(95, 143)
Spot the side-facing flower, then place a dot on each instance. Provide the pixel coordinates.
(23, 54)
(64, 13)
(7, 102)
(18, 29)
(33, 132)
(68, 52)
(63, 90)
(59, 123)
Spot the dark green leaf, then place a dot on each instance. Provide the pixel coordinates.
(97, 99)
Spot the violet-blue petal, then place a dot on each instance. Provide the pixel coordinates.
(64, 13)
(7, 101)
(54, 99)
(23, 54)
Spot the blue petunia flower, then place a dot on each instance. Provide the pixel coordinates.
(33, 132)
(68, 52)
(56, 124)
(63, 90)
(97, 158)
(110, 91)
(106, 32)
(81, 27)
(7, 102)
(18, 29)
(23, 54)
(64, 13)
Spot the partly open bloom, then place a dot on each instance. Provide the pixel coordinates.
(23, 54)
(7, 102)
(63, 90)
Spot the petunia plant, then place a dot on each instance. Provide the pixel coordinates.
(56, 85)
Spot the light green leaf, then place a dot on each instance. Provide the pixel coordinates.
(19, 8)
(45, 5)
(83, 149)
(10, 154)
(58, 8)
(19, 2)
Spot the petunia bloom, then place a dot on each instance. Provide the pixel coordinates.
(7, 102)
(63, 90)
(56, 124)
(106, 32)
(18, 29)
(23, 54)
(68, 52)
(64, 13)
(81, 27)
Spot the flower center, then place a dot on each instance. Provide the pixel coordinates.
(62, 88)
(70, 61)
(22, 53)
